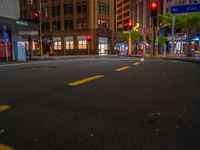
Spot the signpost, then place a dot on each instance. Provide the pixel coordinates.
(6, 41)
(182, 9)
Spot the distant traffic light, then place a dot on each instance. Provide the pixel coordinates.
(88, 37)
(154, 8)
(36, 16)
(130, 24)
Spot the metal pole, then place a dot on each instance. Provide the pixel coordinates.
(88, 47)
(157, 46)
(40, 28)
(129, 43)
(173, 32)
(152, 38)
(6, 51)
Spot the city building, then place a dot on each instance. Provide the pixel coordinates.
(10, 27)
(67, 22)
(137, 11)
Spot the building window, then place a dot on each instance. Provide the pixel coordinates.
(68, 9)
(45, 12)
(82, 7)
(69, 43)
(45, 26)
(81, 23)
(69, 25)
(56, 25)
(103, 23)
(82, 43)
(103, 8)
(57, 45)
(55, 11)
(31, 2)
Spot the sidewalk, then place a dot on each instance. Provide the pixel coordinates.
(183, 57)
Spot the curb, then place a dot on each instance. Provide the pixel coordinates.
(180, 59)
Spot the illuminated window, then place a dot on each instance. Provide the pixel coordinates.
(69, 43)
(31, 2)
(57, 45)
(82, 43)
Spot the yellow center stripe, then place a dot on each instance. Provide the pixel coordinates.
(123, 68)
(4, 147)
(4, 108)
(136, 63)
(85, 80)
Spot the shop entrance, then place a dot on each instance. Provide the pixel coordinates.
(103, 46)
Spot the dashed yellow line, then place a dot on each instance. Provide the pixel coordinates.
(4, 147)
(85, 80)
(121, 69)
(4, 108)
(136, 63)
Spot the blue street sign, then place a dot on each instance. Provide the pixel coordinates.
(180, 9)
(5, 37)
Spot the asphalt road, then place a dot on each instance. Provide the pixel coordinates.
(100, 103)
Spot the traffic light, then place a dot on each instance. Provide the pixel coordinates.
(130, 24)
(36, 16)
(88, 37)
(154, 8)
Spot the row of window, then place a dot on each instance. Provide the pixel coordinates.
(69, 43)
(68, 25)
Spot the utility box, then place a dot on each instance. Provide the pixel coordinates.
(19, 51)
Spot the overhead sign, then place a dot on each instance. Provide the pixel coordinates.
(24, 23)
(180, 9)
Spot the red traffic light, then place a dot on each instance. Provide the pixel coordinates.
(36, 14)
(130, 23)
(88, 37)
(154, 5)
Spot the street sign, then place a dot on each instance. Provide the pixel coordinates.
(5, 37)
(181, 9)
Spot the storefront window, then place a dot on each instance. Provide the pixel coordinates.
(82, 43)
(69, 43)
(57, 45)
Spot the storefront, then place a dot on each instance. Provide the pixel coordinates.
(10, 27)
(103, 45)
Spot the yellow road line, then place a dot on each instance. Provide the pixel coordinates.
(121, 69)
(85, 80)
(136, 63)
(4, 107)
(4, 147)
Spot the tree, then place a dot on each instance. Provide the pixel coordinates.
(188, 24)
(135, 36)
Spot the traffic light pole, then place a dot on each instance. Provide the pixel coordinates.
(153, 37)
(173, 32)
(129, 43)
(40, 28)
